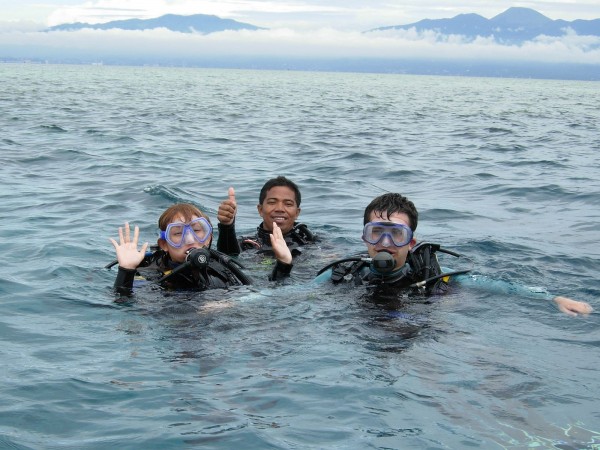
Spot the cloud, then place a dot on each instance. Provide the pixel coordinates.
(569, 48)
(290, 44)
(20, 26)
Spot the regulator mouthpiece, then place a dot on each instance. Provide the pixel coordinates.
(383, 262)
(198, 257)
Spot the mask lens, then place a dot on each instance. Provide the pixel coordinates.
(201, 228)
(399, 236)
(175, 233)
(376, 232)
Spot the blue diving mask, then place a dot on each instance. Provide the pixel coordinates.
(397, 234)
(178, 234)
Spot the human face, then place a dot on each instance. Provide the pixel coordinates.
(178, 254)
(279, 206)
(399, 253)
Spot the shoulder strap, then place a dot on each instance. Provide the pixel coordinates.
(302, 234)
(428, 273)
(423, 260)
(346, 269)
(232, 267)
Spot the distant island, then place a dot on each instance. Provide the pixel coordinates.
(196, 23)
(513, 26)
(510, 30)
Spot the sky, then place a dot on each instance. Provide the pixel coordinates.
(320, 28)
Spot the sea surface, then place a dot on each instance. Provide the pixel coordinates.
(503, 171)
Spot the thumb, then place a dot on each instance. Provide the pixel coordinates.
(231, 194)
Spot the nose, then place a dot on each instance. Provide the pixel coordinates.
(188, 238)
(386, 241)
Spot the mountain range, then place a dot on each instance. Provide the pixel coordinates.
(198, 23)
(515, 25)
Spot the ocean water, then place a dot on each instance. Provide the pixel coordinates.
(504, 171)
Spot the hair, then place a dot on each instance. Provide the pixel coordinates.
(391, 203)
(186, 210)
(279, 181)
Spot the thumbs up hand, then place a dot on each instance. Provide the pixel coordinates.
(227, 209)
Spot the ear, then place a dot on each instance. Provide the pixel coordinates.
(163, 245)
(298, 212)
(412, 243)
(260, 209)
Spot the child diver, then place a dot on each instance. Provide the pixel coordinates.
(184, 259)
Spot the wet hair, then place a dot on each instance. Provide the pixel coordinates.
(279, 181)
(391, 203)
(186, 210)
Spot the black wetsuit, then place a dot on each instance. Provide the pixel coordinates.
(297, 237)
(421, 274)
(361, 273)
(218, 274)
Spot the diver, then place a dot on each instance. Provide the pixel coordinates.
(184, 259)
(395, 263)
(278, 205)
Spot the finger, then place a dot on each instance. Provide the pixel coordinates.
(277, 231)
(121, 238)
(567, 311)
(127, 232)
(231, 194)
(583, 309)
(114, 243)
(136, 235)
(275, 239)
(565, 306)
(144, 247)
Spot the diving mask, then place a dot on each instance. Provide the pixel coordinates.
(397, 233)
(178, 234)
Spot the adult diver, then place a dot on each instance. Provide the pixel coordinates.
(395, 263)
(279, 207)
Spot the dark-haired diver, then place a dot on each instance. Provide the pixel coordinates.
(184, 259)
(394, 261)
(279, 206)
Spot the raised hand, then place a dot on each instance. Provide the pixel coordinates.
(280, 248)
(127, 253)
(227, 209)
